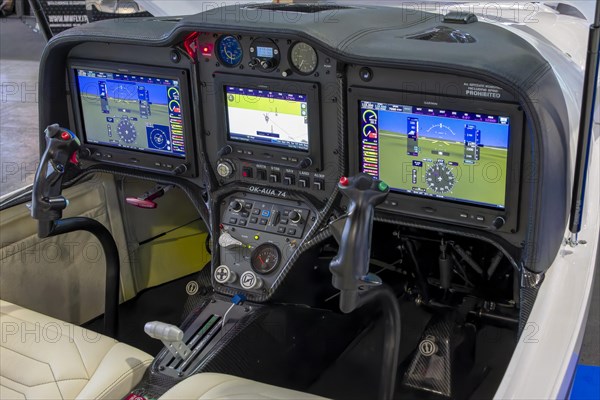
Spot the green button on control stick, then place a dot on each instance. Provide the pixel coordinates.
(383, 186)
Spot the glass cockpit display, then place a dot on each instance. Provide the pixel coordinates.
(446, 154)
(267, 117)
(132, 111)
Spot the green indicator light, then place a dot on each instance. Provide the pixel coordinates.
(256, 237)
(383, 186)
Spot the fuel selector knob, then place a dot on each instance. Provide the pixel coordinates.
(250, 281)
(224, 275)
(295, 217)
(225, 168)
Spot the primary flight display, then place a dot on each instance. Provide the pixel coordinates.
(447, 154)
(132, 111)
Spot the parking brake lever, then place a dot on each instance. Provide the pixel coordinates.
(350, 268)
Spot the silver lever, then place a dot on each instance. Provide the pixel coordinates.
(171, 336)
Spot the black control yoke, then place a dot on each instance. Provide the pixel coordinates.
(47, 203)
(350, 268)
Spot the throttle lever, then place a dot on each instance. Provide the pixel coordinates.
(350, 267)
(47, 203)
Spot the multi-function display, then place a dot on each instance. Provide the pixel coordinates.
(132, 111)
(267, 117)
(447, 154)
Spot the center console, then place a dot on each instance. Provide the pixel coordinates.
(258, 237)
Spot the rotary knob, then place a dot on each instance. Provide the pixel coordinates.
(250, 281)
(224, 275)
(295, 217)
(236, 206)
(225, 168)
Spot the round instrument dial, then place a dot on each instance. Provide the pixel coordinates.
(126, 130)
(229, 50)
(440, 178)
(265, 258)
(304, 58)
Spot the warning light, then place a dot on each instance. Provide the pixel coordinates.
(206, 49)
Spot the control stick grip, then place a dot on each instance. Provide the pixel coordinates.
(47, 203)
(350, 268)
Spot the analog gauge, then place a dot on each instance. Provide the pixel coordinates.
(304, 58)
(265, 258)
(126, 130)
(229, 51)
(440, 178)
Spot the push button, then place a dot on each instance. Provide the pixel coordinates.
(303, 182)
(247, 172)
(289, 180)
(261, 174)
(275, 177)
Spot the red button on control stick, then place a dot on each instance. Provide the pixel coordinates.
(65, 135)
(344, 181)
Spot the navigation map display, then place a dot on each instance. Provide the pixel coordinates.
(453, 155)
(267, 117)
(132, 111)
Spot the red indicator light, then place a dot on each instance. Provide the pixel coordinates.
(344, 181)
(206, 49)
(65, 135)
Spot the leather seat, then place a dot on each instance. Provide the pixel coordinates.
(209, 386)
(45, 358)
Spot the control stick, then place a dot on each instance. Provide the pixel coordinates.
(47, 205)
(350, 268)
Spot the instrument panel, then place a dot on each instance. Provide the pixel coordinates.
(278, 120)
(284, 116)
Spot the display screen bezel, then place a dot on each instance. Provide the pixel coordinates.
(311, 90)
(513, 111)
(181, 75)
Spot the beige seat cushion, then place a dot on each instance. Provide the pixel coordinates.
(45, 358)
(209, 386)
